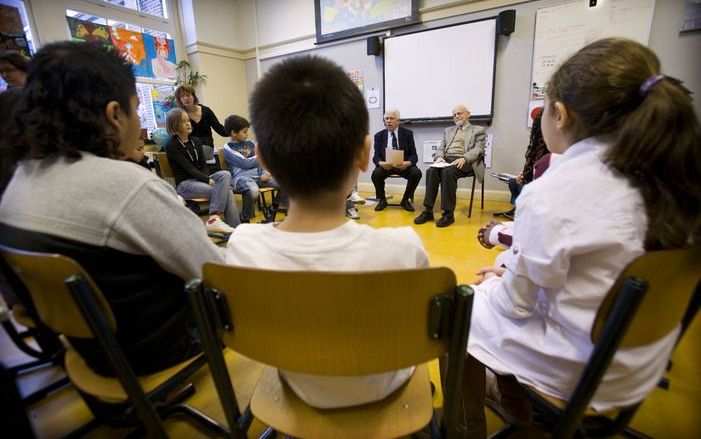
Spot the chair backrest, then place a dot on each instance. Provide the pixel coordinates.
(671, 277)
(333, 323)
(163, 167)
(647, 301)
(44, 276)
(221, 159)
(56, 283)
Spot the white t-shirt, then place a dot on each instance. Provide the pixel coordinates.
(350, 247)
(576, 229)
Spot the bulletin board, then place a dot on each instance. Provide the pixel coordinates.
(563, 29)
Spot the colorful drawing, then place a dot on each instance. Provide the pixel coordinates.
(161, 56)
(131, 45)
(87, 31)
(160, 108)
(358, 78)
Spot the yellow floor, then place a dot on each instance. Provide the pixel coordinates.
(665, 414)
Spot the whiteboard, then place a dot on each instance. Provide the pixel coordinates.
(563, 29)
(427, 73)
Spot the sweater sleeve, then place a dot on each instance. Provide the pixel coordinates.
(236, 159)
(178, 242)
(214, 122)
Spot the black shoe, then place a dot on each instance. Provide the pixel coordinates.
(407, 205)
(381, 204)
(424, 217)
(445, 220)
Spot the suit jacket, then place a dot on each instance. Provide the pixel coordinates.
(474, 147)
(406, 143)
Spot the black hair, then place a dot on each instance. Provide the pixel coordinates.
(310, 120)
(235, 123)
(68, 87)
(9, 100)
(656, 137)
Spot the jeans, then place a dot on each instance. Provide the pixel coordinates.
(221, 200)
(249, 188)
(515, 189)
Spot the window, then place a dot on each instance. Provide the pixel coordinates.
(15, 33)
(153, 56)
(153, 7)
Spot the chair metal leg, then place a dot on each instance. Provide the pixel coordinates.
(472, 196)
(482, 200)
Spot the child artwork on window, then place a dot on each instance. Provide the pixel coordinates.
(131, 45)
(162, 57)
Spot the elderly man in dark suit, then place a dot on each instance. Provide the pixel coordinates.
(459, 155)
(395, 137)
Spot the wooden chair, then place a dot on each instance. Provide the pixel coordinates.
(164, 171)
(657, 287)
(68, 301)
(328, 323)
(48, 351)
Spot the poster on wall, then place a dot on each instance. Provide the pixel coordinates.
(86, 31)
(131, 45)
(161, 56)
(161, 104)
(151, 56)
(12, 35)
(358, 78)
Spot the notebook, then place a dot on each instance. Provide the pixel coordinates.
(394, 156)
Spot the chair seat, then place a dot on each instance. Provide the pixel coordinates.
(109, 389)
(561, 404)
(409, 408)
(21, 316)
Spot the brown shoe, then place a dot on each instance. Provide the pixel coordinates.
(506, 398)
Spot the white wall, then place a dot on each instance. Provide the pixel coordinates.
(678, 54)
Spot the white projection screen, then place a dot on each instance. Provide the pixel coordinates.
(427, 73)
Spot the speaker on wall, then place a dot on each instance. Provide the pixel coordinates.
(506, 22)
(374, 46)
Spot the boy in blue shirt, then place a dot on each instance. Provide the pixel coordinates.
(247, 176)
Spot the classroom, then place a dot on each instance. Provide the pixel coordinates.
(488, 61)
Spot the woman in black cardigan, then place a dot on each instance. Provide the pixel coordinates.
(202, 118)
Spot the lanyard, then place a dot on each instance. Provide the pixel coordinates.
(192, 159)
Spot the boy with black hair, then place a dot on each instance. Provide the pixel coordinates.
(312, 128)
(247, 175)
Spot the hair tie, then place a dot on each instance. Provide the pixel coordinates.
(649, 83)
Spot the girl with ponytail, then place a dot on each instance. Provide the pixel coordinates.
(628, 181)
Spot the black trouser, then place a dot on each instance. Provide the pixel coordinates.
(412, 174)
(447, 178)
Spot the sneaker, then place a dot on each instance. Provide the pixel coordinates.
(352, 213)
(356, 198)
(216, 225)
